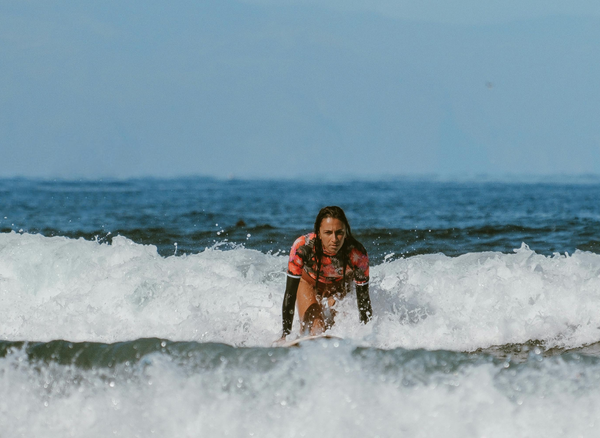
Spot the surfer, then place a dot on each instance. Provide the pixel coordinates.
(320, 268)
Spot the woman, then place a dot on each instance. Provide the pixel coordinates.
(321, 265)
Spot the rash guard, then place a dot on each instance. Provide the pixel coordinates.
(332, 269)
(331, 272)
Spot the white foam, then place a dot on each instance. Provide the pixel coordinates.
(314, 391)
(60, 288)
(483, 299)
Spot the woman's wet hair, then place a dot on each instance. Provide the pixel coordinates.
(334, 212)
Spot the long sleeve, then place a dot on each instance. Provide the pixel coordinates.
(289, 304)
(364, 303)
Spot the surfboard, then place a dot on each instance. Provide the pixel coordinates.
(297, 342)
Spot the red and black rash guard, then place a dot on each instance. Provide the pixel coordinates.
(332, 269)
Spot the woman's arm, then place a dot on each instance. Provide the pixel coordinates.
(289, 304)
(364, 303)
(294, 273)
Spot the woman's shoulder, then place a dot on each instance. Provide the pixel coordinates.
(356, 246)
(358, 257)
(305, 239)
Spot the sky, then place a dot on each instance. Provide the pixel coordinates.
(299, 88)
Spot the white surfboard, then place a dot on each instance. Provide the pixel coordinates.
(297, 342)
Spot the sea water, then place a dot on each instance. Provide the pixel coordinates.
(149, 308)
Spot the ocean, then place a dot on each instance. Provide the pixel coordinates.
(148, 307)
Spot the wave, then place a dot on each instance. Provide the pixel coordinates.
(90, 291)
(193, 231)
(560, 235)
(170, 240)
(155, 387)
(210, 355)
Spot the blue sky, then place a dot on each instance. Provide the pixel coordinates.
(280, 89)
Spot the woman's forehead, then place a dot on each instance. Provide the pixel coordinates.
(332, 223)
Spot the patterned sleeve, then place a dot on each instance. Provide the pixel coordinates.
(296, 263)
(360, 264)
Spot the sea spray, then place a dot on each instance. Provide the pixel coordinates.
(78, 290)
(156, 387)
(105, 330)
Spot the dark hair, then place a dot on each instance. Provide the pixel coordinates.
(334, 212)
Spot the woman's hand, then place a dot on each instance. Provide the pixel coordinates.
(279, 342)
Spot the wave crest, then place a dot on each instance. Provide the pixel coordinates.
(81, 290)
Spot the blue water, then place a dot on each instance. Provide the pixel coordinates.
(403, 217)
(149, 307)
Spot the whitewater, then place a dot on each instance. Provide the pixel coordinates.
(150, 308)
(78, 290)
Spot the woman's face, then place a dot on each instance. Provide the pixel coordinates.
(332, 233)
